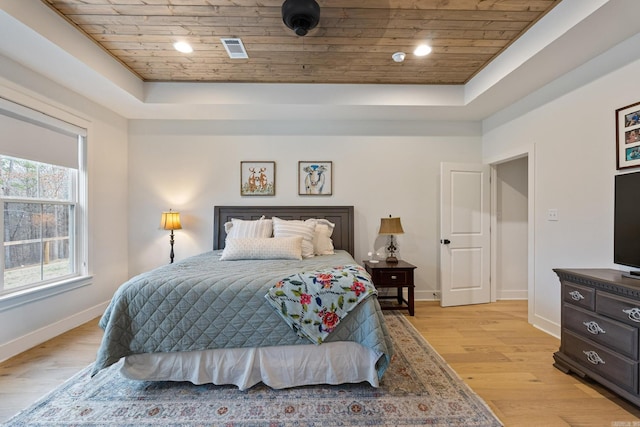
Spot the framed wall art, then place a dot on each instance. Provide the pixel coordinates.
(628, 136)
(315, 178)
(257, 178)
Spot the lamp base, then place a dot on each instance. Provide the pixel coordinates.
(391, 251)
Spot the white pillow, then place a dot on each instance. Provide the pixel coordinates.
(322, 243)
(294, 227)
(262, 248)
(249, 228)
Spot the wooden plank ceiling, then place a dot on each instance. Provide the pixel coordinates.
(353, 42)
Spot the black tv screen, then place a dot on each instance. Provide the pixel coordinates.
(626, 234)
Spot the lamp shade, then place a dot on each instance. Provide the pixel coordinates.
(390, 226)
(170, 220)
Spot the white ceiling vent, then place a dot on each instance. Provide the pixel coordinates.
(234, 48)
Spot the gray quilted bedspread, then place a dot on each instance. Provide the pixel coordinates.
(203, 303)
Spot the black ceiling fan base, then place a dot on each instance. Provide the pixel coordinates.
(301, 15)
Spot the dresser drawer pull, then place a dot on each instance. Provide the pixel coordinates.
(394, 277)
(594, 328)
(634, 314)
(593, 357)
(576, 296)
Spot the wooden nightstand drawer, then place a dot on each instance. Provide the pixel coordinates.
(397, 275)
(393, 278)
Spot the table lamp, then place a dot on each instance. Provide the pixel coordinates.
(391, 226)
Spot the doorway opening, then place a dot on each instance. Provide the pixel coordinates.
(510, 255)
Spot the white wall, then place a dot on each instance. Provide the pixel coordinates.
(26, 325)
(574, 139)
(512, 229)
(191, 166)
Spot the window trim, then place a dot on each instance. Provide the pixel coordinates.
(43, 291)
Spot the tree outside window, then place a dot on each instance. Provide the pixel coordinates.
(39, 204)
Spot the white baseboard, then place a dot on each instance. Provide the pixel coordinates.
(426, 295)
(506, 294)
(25, 342)
(503, 295)
(545, 325)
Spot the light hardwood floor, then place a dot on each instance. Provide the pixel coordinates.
(509, 363)
(502, 358)
(30, 375)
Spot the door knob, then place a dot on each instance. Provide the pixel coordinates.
(445, 241)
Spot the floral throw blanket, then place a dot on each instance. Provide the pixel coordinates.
(313, 303)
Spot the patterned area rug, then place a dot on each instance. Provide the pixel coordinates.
(417, 389)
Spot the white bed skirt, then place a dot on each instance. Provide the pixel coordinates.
(278, 367)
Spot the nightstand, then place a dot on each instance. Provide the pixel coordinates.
(397, 275)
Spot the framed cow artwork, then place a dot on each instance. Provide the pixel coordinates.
(315, 178)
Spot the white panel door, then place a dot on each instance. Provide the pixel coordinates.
(465, 234)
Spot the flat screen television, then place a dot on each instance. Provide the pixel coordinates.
(626, 234)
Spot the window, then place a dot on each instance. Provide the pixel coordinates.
(41, 189)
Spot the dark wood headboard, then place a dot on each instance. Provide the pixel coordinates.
(341, 216)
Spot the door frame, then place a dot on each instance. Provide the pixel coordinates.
(527, 151)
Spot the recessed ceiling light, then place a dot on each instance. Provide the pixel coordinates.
(422, 50)
(398, 56)
(183, 47)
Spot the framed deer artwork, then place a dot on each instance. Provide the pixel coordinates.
(315, 178)
(257, 178)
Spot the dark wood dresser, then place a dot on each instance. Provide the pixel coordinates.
(599, 334)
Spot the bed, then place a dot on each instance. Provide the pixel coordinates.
(213, 318)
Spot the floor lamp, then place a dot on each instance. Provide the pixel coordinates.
(170, 221)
